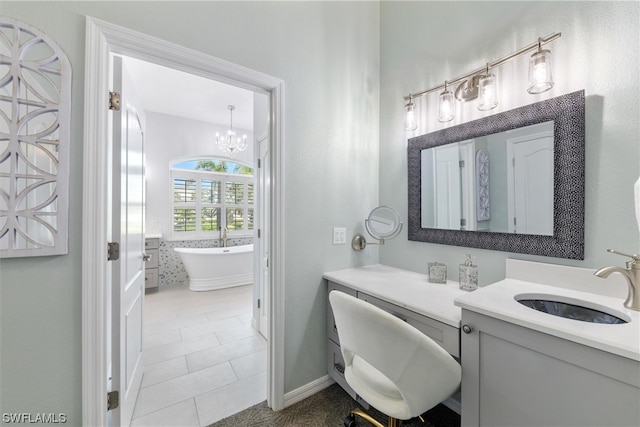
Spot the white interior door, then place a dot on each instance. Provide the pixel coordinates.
(128, 230)
(531, 197)
(263, 241)
(448, 195)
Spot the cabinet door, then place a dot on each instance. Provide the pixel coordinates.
(515, 376)
(151, 278)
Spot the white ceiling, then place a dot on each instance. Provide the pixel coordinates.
(168, 91)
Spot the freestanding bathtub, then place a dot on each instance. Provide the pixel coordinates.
(217, 268)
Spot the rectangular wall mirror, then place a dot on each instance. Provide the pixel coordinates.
(511, 182)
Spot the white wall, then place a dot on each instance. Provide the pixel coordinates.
(327, 53)
(169, 138)
(424, 43)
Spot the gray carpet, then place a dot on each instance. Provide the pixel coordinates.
(328, 408)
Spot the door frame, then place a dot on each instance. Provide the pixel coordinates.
(102, 40)
(260, 295)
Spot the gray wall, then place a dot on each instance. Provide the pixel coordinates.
(424, 43)
(327, 53)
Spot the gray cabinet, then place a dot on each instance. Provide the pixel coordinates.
(151, 249)
(515, 376)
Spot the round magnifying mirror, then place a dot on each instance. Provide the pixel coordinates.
(383, 223)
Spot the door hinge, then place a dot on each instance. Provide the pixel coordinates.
(259, 164)
(463, 222)
(113, 251)
(258, 302)
(114, 101)
(113, 400)
(461, 164)
(258, 233)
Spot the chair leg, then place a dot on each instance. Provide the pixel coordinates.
(394, 422)
(368, 417)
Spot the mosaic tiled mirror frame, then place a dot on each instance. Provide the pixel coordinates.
(35, 122)
(568, 115)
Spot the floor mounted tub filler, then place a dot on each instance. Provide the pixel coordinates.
(217, 268)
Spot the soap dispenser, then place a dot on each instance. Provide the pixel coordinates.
(468, 275)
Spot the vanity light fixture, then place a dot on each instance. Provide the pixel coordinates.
(231, 143)
(481, 83)
(446, 105)
(410, 116)
(487, 91)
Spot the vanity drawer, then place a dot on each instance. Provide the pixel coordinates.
(153, 261)
(332, 332)
(153, 243)
(448, 337)
(335, 367)
(151, 278)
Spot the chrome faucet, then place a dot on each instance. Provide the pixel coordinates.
(223, 237)
(631, 273)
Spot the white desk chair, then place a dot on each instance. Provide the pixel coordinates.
(390, 364)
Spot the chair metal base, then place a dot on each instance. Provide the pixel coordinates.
(350, 420)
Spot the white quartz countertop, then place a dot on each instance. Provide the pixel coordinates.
(405, 289)
(498, 301)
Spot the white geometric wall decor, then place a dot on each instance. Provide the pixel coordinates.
(483, 204)
(35, 115)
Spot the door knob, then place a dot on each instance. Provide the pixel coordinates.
(146, 257)
(467, 329)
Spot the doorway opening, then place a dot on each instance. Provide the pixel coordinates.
(204, 358)
(103, 41)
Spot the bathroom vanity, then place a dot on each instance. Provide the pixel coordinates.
(522, 367)
(427, 306)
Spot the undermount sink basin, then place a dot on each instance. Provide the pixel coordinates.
(570, 308)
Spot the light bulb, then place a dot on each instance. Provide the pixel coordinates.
(540, 79)
(445, 112)
(410, 117)
(487, 92)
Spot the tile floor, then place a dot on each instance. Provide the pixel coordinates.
(203, 360)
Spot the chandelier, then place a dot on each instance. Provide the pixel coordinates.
(231, 142)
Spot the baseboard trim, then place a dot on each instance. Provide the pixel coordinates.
(307, 390)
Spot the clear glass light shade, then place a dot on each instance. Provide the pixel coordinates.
(487, 92)
(410, 117)
(446, 106)
(540, 79)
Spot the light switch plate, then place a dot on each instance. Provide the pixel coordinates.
(339, 236)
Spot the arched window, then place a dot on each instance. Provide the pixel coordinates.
(209, 195)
